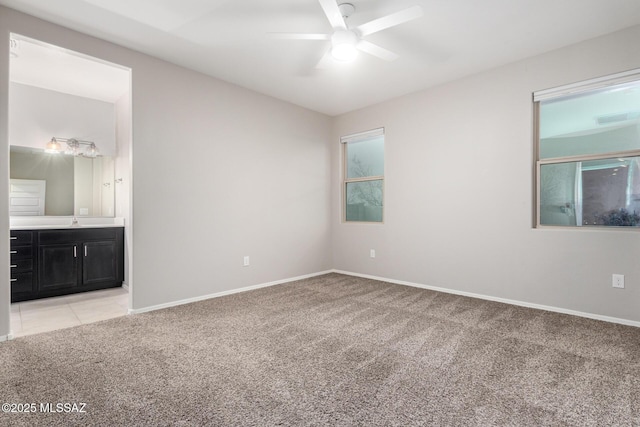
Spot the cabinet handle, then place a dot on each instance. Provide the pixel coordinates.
(85, 250)
(75, 253)
(13, 238)
(13, 266)
(13, 280)
(13, 252)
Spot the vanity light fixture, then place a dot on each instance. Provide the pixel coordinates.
(53, 147)
(74, 147)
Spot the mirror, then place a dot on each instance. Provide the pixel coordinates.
(60, 184)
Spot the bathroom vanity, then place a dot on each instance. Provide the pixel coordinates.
(52, 261)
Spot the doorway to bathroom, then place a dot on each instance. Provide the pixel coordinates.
(69, 133)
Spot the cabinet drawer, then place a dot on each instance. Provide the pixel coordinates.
(21, 265)
(21, 238)
(77, 235)
(20, 252)
(21, 283)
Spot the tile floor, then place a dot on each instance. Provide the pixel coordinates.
(48, 314)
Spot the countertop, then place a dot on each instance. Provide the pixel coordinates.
(62, 222)
(62, 227)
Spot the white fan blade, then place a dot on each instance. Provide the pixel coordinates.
(390, 20)
(333, 13)
(300, 36)
(325, 62)
(375, 50)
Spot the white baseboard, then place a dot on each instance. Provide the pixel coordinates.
(8, 337)
(223, 293)
(125, 287)
(496, 299)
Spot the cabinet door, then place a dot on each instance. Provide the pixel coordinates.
(21, 286)
(99, 262)
(58, 266)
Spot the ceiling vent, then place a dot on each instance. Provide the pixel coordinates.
(619, 117)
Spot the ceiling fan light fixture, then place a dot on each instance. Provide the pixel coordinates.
(343, 45)
(346, 41)
(344, 52)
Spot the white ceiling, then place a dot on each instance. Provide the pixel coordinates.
(49, 67)
(228, 39)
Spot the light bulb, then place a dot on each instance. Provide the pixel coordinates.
(73, 147)
(53, 147)
(92, 151)
(343, 45)
(344, 52)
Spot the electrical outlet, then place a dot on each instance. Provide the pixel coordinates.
(246, 261)
(617, 281)
(372, 253)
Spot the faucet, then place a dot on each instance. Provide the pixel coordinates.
(74, 222)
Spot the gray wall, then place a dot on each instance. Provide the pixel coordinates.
(458, 206)
(38, 114)
(218, 172)
(5, 290)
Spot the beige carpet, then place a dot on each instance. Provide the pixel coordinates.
(331, 350)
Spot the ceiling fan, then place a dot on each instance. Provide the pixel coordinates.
(345, 41)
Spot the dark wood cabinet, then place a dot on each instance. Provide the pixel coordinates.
(99, 262)
(63, 261)
(58, 267)
(22, 264)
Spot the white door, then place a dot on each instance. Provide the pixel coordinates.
(26, 197)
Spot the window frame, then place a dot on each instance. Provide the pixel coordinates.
(344, 141)
(560, 92)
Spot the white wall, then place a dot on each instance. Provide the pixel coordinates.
(218, 172)
(458, 202)
(36, 115)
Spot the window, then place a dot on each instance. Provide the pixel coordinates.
(363, 185)
(588, 153)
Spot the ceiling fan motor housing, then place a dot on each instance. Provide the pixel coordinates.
(346, 9)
